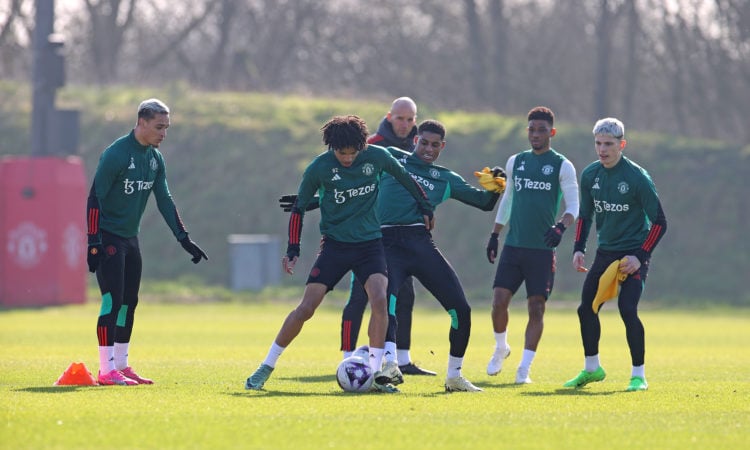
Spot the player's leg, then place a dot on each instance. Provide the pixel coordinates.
(126, 316)
(111, 278)
(590, 325)
(332, 263)
(538, 268)
(627, 303)
(508, 279)
(351, 316)
(438, 276)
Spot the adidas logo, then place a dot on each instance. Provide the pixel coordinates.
(595, 186)
(336, 178)
(132, 163)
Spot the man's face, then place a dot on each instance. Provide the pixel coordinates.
(402, 119)
(608, 149)
(428, 145)
(346, 156)
(540, 132)
(153, 131)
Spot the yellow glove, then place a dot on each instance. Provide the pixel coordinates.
(490, 182)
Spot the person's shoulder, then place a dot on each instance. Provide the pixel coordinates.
(591, 168)
(376, 139)
(635, 169)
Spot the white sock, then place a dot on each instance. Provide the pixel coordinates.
(592, 363)
(454, 366)
(527, 358)
(106, 359)
(390, 351)
(404, 357)
(273, 354)
(376, 358)
(348, 354)
(121, 355)
(501, 340)
(639, 371)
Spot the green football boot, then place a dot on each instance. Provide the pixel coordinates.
(585, 378)
(259, 378)
(637, 384)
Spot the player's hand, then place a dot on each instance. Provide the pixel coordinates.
(429, 219)
(94, 257)
(287, 201)
(492, 246)
(579, 263)
(629, 264)
(192, 248)
(492, 180)
(290, 259)
(554, 234)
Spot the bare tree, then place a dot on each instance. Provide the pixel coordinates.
(109, 20)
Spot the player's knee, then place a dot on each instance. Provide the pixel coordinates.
(303, 312)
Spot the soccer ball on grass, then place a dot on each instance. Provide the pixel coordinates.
(354, 374)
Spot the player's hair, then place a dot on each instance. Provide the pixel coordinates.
(542, 113)
(345, 131)
(610, 126)
(151, 107)
(432, 126)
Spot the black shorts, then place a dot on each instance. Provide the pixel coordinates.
(534, 266)
(336, 258)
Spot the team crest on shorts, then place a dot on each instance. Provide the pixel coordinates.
(368, 169)
(623, 187)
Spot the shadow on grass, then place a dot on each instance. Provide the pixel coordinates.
(55, 389)
(569, 392)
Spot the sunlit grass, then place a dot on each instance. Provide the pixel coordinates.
(200, 354)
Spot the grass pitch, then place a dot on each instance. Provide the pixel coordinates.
(698, 369)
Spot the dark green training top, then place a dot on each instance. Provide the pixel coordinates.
(126, 175)
(348, 195)
(396, 206)
(625, 205)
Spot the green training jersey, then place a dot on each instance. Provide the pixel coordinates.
(396, 206)
(624, 201)
(535, 180)
(126, 175)
(348, 195)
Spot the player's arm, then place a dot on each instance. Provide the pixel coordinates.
(503, 213)
(304, 195)
(569, 188)
(583, 225)
(93, 233)
(655, 213)
(171, 216)
(393, 167)
(465, 193)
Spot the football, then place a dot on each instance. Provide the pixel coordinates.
(354, 374)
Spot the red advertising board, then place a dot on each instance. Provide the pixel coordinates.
(42, 231)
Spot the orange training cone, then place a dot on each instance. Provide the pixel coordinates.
(76, 375)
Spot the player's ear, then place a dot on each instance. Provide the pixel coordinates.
(623, 143)
(552, 132)
(416, 139)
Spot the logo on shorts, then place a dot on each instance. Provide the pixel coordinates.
(111, 250)
(315, 272)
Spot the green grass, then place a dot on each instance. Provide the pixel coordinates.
(698, 369)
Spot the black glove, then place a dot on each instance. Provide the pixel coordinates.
(492, 247)
(498, 171)
(94, 257)
(192, 248)
(554, 234)
(292, 251)
(287, 201)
